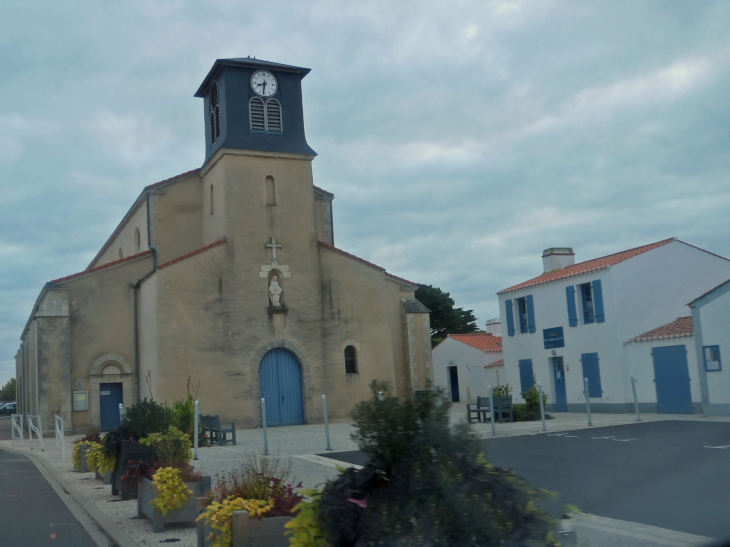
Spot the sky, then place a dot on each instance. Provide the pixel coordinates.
(460, 138)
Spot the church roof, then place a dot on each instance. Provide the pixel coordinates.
(333, 248)
(103, 267)
(323, 192)
(484, 341)
(679, 328)
(193, 253)
(412, 305)
(246, 62)
(588, 266)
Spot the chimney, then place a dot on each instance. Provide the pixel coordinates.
(494, 327)
(557, 258)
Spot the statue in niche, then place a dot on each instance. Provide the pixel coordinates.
(275, 291)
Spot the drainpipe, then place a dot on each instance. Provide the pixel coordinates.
(135, 291)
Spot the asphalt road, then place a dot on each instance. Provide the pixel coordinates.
(32, 513)
(657, 473)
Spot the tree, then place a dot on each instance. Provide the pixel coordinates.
(445, 319)
(8, 390)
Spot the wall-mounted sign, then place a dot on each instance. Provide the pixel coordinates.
(553, 338)
(105, 393)
(79, 384)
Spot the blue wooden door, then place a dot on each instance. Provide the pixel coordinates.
(454, 383)
(110, 397)
(671, 375)
(280, 383)
(561, 399)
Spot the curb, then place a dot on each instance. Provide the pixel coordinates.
(107, 531)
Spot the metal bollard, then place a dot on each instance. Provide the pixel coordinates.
(491, 409)
(263, 424)
(588, 400)
(121, 413)
(542, 406)
(326, 422)
(380, 395)
(636, 401)
(195, 431)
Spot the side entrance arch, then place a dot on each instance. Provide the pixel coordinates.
(280, 384)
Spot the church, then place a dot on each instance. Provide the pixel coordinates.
(227, 275)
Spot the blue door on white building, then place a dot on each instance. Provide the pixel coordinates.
(110, 397)
(280, 383)
(561, 399)
(671, 375)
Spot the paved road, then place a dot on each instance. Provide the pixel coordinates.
(31, 511)
(657, 473)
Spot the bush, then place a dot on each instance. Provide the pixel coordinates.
(172, 447)
(171, 490)
(502, 391)
(138, 469)
(113, 440)
(426, 484)
(220, 515)
(146, 417)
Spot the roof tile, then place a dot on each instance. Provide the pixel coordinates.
(586, 267)
(679, 328)
(481, 340)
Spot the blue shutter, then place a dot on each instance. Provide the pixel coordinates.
(530, 313)
(572, 315)
(510, 318)
(526, 378)
(593, 373)
(598, 301)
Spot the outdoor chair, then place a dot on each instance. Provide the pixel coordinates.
(502, 409)
(216, 431)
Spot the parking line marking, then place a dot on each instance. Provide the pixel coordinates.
(555, 434)
(720, 447)
(624, 440)
(571, 436)
(610, 437)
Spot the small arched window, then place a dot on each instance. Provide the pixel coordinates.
(257, 115)
(217, 122)
(350, 360)
(273, 115)
(211, 199)
(137, 241)
(120, 254)
(270, 190)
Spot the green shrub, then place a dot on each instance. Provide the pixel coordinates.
(146, 417)
(427, 483)
(172, 448)
(502, 391)
(532, 399)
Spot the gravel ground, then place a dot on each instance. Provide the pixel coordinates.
(286, 443)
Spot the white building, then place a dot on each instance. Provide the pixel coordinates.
(593, 320)
(465, 365)
(711, 319)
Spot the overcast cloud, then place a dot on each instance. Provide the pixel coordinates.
(460, 138)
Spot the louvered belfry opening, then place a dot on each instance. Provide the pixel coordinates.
(212, 127)
(258, 117)
(217, 122)
(273, 115)
(215, 117)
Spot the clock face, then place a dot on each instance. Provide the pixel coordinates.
(263, 83)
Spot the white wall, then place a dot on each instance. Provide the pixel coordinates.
(715, 321)
(653, 288)
(641, 365)
(470, 363)
(551, 310)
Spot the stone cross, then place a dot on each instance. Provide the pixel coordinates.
(273, 246)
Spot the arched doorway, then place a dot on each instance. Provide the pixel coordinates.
(280, 383)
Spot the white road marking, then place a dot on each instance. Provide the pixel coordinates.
(571, 436)
(328, 462)
(624, 440)
(720, 447)
(555, 434)
(610, 437)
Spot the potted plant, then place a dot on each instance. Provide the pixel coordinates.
(167, 491)
(249, 507)
(78, 455)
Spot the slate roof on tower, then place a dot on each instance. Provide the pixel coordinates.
(587, 266)
(481, 340)
(246, 62)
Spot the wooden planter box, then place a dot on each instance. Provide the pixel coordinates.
(248, 532)
(106, 477)
(83, 465)
(187, 513)
(129, 451)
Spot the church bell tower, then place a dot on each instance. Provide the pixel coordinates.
(254, 105)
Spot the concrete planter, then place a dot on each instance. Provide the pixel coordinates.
(248, 532)
(187, 513)
(83, 465)
(129, 451)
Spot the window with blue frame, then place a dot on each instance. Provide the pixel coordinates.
(587, 298)
(712, 359)
(522, 312)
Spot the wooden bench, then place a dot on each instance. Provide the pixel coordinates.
(502, 409)
(216, 431)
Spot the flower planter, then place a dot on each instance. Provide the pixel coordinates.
(248, 532)
(129, 451)
(106, 477)
(83, 465)
(187, 513)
